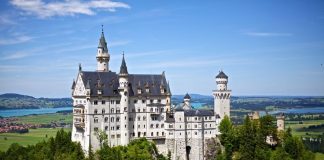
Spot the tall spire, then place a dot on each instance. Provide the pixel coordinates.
(123, 67)
(102, 41)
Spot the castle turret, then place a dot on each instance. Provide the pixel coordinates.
(124, 101)
(280, 122)
(102, 55)
(222, 96)
(186, 101)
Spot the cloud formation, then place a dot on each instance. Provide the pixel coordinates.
(267, 34)
(66, 7)
(15, 40)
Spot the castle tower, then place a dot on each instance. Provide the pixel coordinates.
(186, 101)
(222, 96)
(281, 122)
(102, 55)
(124, 103)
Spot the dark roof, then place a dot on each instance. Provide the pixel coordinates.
(102, 42)
(187, 96)
(73, 84)
(108, 82)
(199, 112)
(221, 74)
(123, 67)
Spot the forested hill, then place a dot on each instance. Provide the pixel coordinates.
(18, 101)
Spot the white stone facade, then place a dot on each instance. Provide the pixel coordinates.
(129, 106)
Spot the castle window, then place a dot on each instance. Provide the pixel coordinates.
(95, 111)
(144, 133)
(135, 101)
(112, 136)
(112, 110)
(95, 129)
(138, 126)
(106, 128)
(106, 119)
(179, 126)
(118, 135)
(151, 126)
(144, 110)
(195, 133)
(103, 111)
(179, 119)
(195, 118)
(118, 102)
(117, 110)
(180, 133)
(151, 133)
(118, 127)
(195, 125)
(151, 101)
(157, 133)
(138, 118)
(205, 118)
(117, 119)
(157, 125)
(144, 118)
(162, 133)
(170, 125)
(95, 102)
(143, 100)
(111, 101)
(112, 119)
(209, 125)
(138, 110)
(103, 102)
(159, 100)
(139, 134)
(151, 109)
(144, 125)
(112, 128)
(170, 133)
(162, 125)
(209, 118)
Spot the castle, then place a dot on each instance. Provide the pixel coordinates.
(127, 106)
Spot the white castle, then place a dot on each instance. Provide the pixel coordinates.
(128, 106)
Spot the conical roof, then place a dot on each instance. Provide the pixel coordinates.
(221, 74)
(102, 42)
(187, 96)
(123, 67)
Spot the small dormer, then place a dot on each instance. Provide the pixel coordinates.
(139, 91)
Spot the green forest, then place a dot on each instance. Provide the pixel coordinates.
(248, 141)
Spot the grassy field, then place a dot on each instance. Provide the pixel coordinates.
(34, 136)
(319, 156)
(45, 118)
(294, 125)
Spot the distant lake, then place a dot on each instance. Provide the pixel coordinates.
(299, 110)
(23, 112)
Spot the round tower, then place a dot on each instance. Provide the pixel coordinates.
(102, 54)
(221, 81)
(124, 102)
(222, 96)
(280, 122)
(186, 101)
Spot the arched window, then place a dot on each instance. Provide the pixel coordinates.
(117, 119)
(144, 118)
(112, 110)
(95, 111)
(106, 119)
(95, 120)
(112, 119)
(103, 111)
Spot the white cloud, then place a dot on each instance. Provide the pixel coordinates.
(5, 20)
(15, 40)
(66, 7)
(267, 34)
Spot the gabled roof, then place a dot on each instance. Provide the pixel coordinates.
(199, 112)
(221, 74)
(109, 83)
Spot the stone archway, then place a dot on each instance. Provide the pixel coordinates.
(188, 149)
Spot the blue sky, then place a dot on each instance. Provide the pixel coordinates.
(265, 47)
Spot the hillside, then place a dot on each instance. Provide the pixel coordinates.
(18, 101)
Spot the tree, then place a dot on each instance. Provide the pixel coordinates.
(102, 137)
(227, 136)
(247, 139)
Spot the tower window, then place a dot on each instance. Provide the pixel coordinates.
(103, 102)
(95, 102)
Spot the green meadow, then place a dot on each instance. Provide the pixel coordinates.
(45, 118)
(32, 137)
(296, 126)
